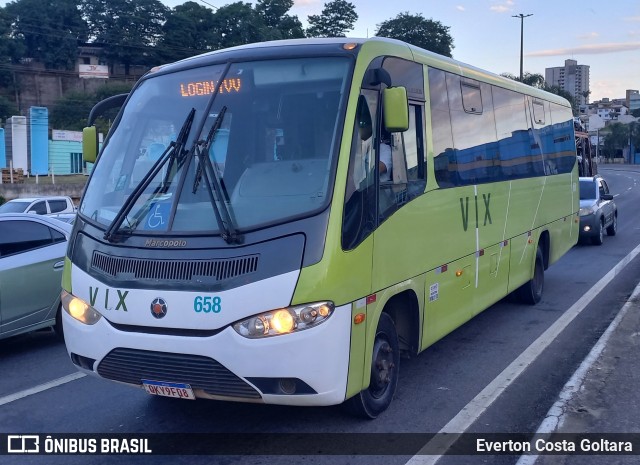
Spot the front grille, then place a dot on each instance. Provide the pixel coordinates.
(133, 365)
(218, 269)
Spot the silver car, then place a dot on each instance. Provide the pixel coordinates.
(32, 253)
(598, 211)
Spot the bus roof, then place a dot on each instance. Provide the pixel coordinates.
(386, 45)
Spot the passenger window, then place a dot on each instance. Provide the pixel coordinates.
(538, 112)
(57, 206)
(22, 236)
(471, 97)
(40, 208)
(57, 236)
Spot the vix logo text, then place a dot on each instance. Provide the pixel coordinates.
(464, 207)
(116, 296)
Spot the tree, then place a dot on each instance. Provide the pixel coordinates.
(419, 31)
(237, 24)
(616, 139)
(189, 30)
(7, 108)
(278, 24)
(530, 79)
(49, 31)
(71, 111)
(336, 19)
(130, 29)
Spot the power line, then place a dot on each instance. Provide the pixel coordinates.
(209, 4)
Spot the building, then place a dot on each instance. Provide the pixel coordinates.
(572, 77)
(633, 100)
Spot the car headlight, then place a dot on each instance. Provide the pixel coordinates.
(79, 309)
(284, 320)
(586, 211)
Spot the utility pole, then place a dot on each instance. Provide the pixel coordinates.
(521, 16)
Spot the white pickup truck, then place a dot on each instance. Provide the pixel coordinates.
(40, 205)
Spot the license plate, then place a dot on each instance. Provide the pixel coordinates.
(162, 388)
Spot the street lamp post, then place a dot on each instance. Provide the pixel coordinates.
(521, 16)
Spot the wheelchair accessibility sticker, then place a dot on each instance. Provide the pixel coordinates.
(158, 216)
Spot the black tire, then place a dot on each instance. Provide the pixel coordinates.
(57, 328)
(598, 239)
(385, 367)
(530, 292)
(612, 229)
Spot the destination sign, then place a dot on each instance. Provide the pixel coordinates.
(199, 88)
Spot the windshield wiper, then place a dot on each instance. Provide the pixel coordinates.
(175, 151)
(217, 193)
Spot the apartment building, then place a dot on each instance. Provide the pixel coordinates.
(572, 77)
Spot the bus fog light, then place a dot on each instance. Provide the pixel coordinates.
(284, 320)
(79, 309)
(287, 385)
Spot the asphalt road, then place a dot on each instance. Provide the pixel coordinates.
(433, 388)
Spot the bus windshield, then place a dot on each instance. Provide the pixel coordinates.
(272, 148)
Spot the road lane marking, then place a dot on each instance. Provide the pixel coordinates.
(556, 414)
(42, 387)
(447, 436)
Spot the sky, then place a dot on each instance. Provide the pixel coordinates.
(603, 34)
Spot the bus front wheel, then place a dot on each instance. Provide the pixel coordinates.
(531, 291)
(385, 366)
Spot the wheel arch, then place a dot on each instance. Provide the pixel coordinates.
(544, 242)
(403, 308)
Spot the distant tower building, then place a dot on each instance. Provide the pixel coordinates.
(633, 100)
(572, 77)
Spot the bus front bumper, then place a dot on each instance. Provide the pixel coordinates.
(303, 368)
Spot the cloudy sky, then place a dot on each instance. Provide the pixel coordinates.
(602, 34)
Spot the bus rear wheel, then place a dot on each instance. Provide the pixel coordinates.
(385, 367)
(531, 291)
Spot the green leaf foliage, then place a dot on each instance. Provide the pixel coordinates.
(419, 31)
(337, 18)
(48, 32)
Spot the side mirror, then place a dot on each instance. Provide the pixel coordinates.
(396, 109)
(90, 144)
(607, 197)
(32, 212)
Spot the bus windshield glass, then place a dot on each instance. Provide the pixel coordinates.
(275, 136)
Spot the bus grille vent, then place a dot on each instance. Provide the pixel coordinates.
(133, 365)
(177, 270)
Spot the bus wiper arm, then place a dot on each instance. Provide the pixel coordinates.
(217, 193)
(173, 151)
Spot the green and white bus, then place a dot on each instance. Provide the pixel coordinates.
(279, 222)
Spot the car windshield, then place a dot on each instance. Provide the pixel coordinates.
(588, 189)
(273, 149)
(14, 207)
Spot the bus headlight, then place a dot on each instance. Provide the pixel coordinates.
(79, 309)
(284, 320)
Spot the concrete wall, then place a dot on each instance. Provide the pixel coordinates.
(14, 191)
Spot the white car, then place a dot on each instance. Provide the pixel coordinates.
(39, 205)
(32, 253)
